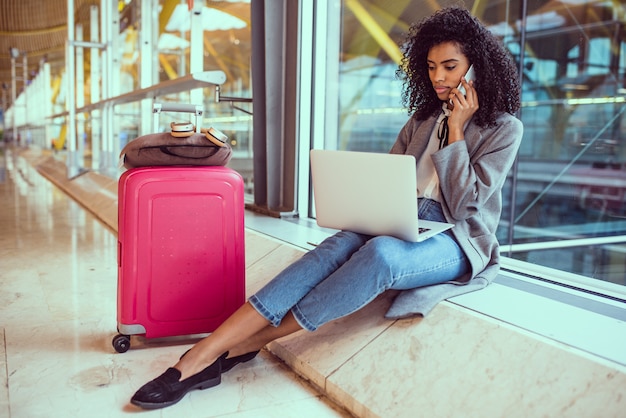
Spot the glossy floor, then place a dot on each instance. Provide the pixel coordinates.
(58, 316)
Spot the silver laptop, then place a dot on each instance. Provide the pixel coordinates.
(369, 193)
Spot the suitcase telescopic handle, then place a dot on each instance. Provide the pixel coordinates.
(178, 107)
(197, 110)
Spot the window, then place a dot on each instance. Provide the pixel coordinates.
(225, 42)
(565, 200)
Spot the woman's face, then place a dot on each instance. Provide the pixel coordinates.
(446, 66)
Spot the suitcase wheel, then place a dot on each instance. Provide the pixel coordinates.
(121, 343)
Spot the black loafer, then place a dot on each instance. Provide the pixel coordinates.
(167, 389)
(229, 363)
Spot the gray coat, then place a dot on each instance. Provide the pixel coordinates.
(471, 175)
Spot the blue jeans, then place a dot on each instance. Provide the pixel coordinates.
(348, 270)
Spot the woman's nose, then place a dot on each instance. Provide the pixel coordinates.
(439, 75)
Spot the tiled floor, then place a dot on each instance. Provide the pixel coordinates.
(57, 286)
(58, 314)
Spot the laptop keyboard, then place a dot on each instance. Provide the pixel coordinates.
(422, 230)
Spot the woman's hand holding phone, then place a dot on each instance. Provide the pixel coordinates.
(464, 103)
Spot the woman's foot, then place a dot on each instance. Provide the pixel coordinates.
(230, 362)
(168, 389)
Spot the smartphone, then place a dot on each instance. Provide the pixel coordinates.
(469, 76)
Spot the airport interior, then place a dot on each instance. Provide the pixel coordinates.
(274, 79)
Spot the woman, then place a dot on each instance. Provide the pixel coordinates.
(463, 153)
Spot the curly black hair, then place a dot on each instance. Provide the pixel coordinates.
(497, 79)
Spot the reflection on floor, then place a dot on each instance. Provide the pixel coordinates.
(58, 309)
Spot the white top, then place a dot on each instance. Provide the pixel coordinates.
(427, 178)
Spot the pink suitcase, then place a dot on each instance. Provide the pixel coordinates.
(181, 265)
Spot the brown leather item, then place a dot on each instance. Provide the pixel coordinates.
(164, 149)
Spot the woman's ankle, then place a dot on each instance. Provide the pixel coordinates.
(241, 350)
(193, 362)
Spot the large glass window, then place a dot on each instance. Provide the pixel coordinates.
(565, 197)
(572, 173)
(149, 43)
(226, 47)
(225, 38)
